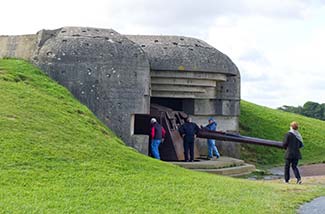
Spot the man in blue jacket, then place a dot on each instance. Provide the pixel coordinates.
(212, 126)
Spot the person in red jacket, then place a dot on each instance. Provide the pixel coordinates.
(157, 133)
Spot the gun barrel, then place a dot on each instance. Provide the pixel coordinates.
(238, 138)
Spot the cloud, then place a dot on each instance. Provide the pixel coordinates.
(254, 56)
(278, 45)
(192, 16)
(275, 57)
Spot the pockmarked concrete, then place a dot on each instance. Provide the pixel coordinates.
(119, 76)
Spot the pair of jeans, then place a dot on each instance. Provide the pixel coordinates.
(212, 148)
(293, 163)
(188, 145)
(155, 148)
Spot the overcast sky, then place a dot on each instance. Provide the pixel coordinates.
(278, 45)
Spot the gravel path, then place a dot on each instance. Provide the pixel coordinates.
(316, 206)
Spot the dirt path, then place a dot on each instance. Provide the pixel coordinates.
(305, 171)
(312, 170)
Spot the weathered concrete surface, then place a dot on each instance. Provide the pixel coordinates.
(104, 70)
(22, 47)
(112, 75)
(171, 53)
(212, 81)
(222, 166)
(176, 57)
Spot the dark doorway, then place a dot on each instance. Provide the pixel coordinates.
(173, 103)
(142, 124)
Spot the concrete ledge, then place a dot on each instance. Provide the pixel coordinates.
(231, 171)
(189, 75)
(210, 93)
(172, 88)
(222, 166)
(222, 162)
(183, 81)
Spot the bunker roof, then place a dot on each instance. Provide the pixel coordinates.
(172, 53)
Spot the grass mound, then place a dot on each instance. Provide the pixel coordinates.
(56, 157)
(267, 123)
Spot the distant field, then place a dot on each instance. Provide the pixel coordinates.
(263, 122)
(56, 157)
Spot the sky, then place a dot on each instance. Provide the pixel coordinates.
(277, 45)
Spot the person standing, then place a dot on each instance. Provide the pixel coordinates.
(212, 148)
(188, 132)
(157, 134)
(292, 143)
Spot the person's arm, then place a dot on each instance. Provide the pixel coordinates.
(213, 127)
(207, 127)
(181, 131)
(285, 141)
(196, 129)
(152, 133)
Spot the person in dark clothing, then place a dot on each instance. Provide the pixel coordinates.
(188, 131)
(157, 133)
(292, 143)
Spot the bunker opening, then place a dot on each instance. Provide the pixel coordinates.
(172, 147)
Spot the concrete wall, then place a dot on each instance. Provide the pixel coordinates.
(111, 74)
(206, 79)
(21, 47)
(104, 70)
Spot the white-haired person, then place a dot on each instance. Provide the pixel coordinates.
(157, 133)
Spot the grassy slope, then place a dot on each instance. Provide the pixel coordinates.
(56, 157)
(263, 122)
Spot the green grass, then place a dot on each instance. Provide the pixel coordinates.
(267, 123)
(56, 157)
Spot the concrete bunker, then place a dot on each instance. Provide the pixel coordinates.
(121, 77)
(189, 75)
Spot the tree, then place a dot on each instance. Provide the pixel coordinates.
(312, 109)
(309, 109)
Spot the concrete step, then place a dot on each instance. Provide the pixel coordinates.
(222, 162)
(222, 166)
(231, 171)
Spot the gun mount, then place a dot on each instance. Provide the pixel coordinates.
(172, 148)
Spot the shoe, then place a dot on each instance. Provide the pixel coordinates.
(286, 182)
(218, 156)
(209, 158)
(299, 181)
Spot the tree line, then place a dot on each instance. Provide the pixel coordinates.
(309, 109)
